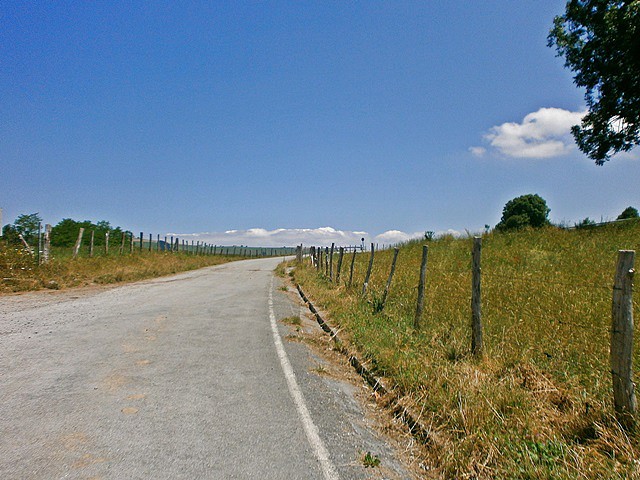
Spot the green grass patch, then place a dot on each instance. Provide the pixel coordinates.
(539, 403)
(293, 320)
(370, 461)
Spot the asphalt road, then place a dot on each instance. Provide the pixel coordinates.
(189, 376)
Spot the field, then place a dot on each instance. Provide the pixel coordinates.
(19, 270)
(538, 403)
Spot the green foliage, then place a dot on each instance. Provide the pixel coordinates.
(27, 225)
(65, 233)
(628, 212)
(586, 223)
(370, 461)
(293, 320)
(10, 234)
(600, 41)
(525, 211)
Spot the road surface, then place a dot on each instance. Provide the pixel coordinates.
(189, 376)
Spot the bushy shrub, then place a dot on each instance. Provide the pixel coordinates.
(525, 211)
(628, 212)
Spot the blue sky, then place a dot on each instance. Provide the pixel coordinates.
(192, 117)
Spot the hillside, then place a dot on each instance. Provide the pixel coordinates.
(538, 404)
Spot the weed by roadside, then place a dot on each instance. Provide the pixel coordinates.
(370, 461)
(293, 320)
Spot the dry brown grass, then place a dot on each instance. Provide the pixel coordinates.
(19, 272)
(538, 404)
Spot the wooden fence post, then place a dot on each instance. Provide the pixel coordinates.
(158, 243)
(76, 248)
(141, 240)
(369, 268)
(150, 241)
(340, 255)
(106, 243)
(39, 240)
(388, 285)
(353, 261)
(423, 276)
(91, 243)
(47, 243)
(476, 310)
(131, 242)
(26, 245)
(331, 262)
(621, 354)
(326, 261)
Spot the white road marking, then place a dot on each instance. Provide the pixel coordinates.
(310, 429)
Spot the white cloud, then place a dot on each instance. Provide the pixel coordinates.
(545, 133)
(478, 151)
(395, 236)
(260, 237)
(450, 231)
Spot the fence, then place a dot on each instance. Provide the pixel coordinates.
(128, 243)
(620, 358)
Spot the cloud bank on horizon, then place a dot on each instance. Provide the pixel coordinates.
(545, 133)
(260, 237)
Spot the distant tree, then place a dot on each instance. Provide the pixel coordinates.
(65, 233)
(524, 211)
(10, 234)
(27, 225)
(586, 223)
(628, 212)
(600, 41)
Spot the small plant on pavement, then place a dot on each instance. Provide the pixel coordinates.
(370, 461)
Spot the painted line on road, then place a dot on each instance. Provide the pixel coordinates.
(310, 429)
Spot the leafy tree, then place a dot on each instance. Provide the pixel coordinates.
(525, 211)
(600, 41)
(27, 225)
(65, 233)
(10, 235)
(628, 212)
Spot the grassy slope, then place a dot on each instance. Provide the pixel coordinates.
(538, 405)
(18, 271)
